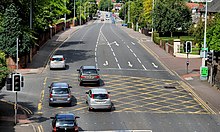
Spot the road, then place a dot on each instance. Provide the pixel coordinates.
(146, 95)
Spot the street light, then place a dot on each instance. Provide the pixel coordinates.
(152, 30)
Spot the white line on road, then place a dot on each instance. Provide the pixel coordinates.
(139, 60)
(131, 50)
(116, 59)
(128, 46)
(133, 43)
(111, 49)
(155, 65)
(144, 67)
(95, 59)
(119, 66)
(113, 54)
(135, 55)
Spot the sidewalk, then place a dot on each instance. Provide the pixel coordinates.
(210, 95)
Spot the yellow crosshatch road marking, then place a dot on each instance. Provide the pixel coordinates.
(139, 94)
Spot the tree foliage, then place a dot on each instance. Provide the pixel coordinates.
(171, 16)
(105, 5)
(3, 69)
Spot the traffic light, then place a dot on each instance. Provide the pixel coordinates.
(9, 84)
(17, 82)
(20, 40)
(210, 56)
(188, 47)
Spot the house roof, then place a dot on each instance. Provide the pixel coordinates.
(195, 5)
(213, 6)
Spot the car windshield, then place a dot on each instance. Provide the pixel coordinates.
(90, 71)
(60, 91)
(100, 96)
(65, 123)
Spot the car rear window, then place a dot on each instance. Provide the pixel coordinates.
(57, 59)
(65, 123)
(60, 91)
(90, 71)
(63, 85)
(100, 96)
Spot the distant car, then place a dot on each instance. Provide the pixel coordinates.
(124, 24)
(102, 19)
(60, 93)
(98, 98)
(88, 74)
(57, 61)
(107, 18)
(65, 122)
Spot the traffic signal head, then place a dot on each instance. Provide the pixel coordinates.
(188, 47)
(210, 57)
(16, 82)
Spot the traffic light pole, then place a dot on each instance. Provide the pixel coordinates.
(15, 106)
(17, 54)
(187, 64)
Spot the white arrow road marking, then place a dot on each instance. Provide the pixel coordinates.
(129, 64)
(155, 65)
(106, 63)
(116, 43)
(133, 43)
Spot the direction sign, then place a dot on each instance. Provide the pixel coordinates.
(204, 71)
(201, 0)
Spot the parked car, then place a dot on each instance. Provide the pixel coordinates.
(88, 74)
(66, 122)
(57, 61)
(102, 19)
(98, 98)
(60, 93)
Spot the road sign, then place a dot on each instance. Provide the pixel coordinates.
(201, 0)
(204, 71)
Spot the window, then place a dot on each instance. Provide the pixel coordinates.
(60, 91)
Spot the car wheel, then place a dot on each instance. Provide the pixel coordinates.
(98, 83)
(50, 104)
(80, 83)
(89, 109)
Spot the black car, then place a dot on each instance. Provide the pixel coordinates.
(88, 74)
(65, 123)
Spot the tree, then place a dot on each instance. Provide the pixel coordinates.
(3, 69)
(171, 16)
(105, 5)
(213, 36)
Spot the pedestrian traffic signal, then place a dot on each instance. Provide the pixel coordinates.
(210, 56)
(17, 82)
(20, 40)
(187, 47)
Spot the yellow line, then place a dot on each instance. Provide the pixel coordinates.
(42, 130)
(39, 130)
(42, 96)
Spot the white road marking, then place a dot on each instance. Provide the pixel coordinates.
(131, 50)
(144, 67)
(113, 54)
(139, 60)
(133, 43)
(155, 65)
(95, 59)
(119, 66)
(111, 49)
(116, 43)
(128, 46)
(106, 63)
(116, 59)
(135, 55)
(129, 64)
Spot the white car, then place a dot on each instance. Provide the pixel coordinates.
(57, 61)
(98, 98)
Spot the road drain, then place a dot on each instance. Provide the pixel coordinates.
(170, 87)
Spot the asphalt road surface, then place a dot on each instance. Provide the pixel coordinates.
(146, 96)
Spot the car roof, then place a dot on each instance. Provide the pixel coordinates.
(99, 91)
(88, 67)
(65, 116)
(57, 56)
(60, 85)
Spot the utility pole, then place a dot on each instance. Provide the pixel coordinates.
(31, 14)
(152, 30)
(74, 13)
(65, 17)
(129, 12)
(80, 14)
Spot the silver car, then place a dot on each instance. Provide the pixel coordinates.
(98, 98)
(88, 74)
(60, 93)
(57, 61)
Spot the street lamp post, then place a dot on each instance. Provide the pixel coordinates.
(129, 12)
(152, 30)
(65, 17)
(80, 14)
